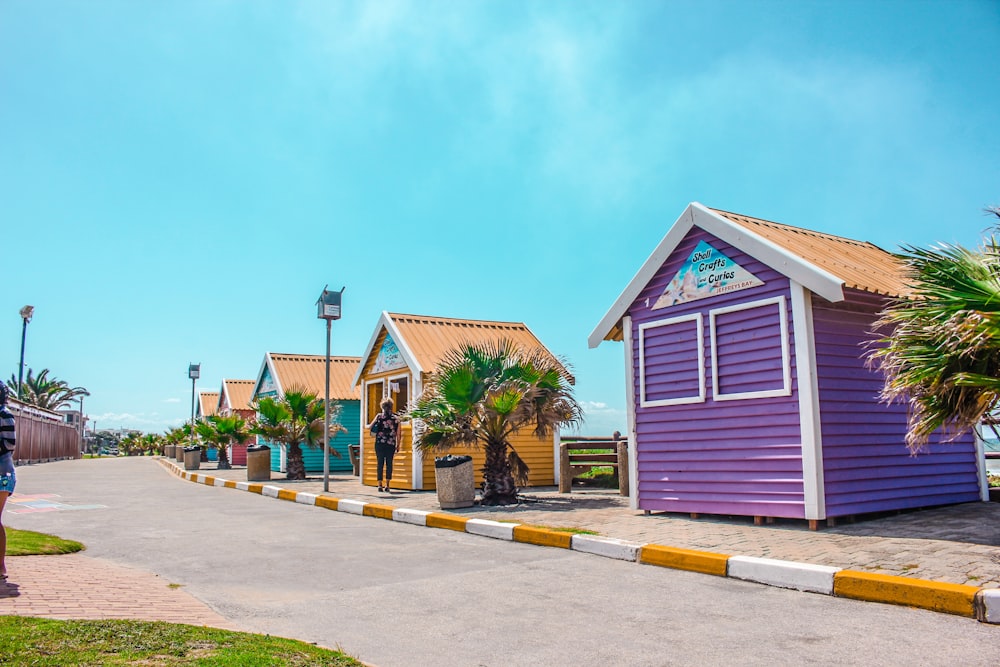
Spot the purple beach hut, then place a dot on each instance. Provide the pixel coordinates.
(747, 388)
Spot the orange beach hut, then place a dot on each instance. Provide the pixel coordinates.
(402, 352)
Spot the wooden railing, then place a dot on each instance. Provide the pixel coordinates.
(42, 435)
(578, 454)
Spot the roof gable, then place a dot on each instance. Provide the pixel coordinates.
(237, 394)
(307, 371)
(822, 263)
(208, 403)
(422, 341)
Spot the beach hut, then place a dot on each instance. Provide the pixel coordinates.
(207, 404)
(402, 351)
(235, 398)
(280, 372)
(748, 392)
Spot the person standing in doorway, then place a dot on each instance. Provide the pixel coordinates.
(386, 429)
(7, 479)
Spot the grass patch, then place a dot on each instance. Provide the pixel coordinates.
(41, 641)
(30, 543)
(567, 529)
(993, 480)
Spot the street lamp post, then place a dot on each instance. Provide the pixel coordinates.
(194, 372)
(26, 314)
(329, 310)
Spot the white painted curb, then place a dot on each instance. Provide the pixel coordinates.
(305, 498)
(243, 486)
(416, 517)
(609, 547)
(351, 506)
(494, 529)
(219, 481)
(783, 573)
(991, 605)
(270, 491)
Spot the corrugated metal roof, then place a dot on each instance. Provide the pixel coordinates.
(430, 338)
(860, 264)
(208, 402)
(306, 371)
(240, 393)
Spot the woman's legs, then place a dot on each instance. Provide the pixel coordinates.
(381, 461)
(388, 468)
(3, 536)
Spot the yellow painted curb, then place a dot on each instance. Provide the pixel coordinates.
(327, 502)
(934, 595)
(379, 511)
(449, 521)
(255, 488)
(229, 484)
(542, 537)
(209, 481)
(285, 494)
(684, 559)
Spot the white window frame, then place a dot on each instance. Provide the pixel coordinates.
(364, 413)
(700, 397)
(786, 359)
(387, 390)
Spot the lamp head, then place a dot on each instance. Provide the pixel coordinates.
(329, 304)
(26, 313)
(194, 371)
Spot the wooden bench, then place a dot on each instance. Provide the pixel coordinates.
(578, 455)
(354, 453)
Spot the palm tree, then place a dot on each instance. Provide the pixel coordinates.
(223, 431)
(41, 391)
(481, 394)
(294, 420)
(941, 354)
(152, 443)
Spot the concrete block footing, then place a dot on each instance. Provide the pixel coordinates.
(784, 574)
(495, 529)
(609, 547)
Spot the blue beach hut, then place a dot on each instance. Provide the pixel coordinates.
(280, 372)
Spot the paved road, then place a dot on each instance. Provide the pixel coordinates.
(396, 594)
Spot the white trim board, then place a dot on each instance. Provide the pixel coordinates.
(786, 361)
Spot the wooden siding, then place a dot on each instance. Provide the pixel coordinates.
(313, 458)
(720, 457)
(866, 464)
(749, 350)
(538, 454)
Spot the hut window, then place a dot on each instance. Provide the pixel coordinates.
(750, 350)
(400, 393)
(671, 361)
(374, 397)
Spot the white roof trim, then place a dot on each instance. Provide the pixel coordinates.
(794, 267)
(269, 365)
(386, 321)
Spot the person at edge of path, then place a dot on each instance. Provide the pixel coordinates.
(7, 479)
(386, 429)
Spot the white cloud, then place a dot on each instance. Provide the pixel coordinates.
(171, 400)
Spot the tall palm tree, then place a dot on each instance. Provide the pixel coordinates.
(294, 420)
(45, 392)
(223, 431)
(940, 352)
(481, 394)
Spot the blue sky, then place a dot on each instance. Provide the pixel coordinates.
(179, 180)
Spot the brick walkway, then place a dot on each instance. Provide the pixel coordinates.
(80, 587)
(957, 544)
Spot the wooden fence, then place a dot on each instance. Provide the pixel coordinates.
(42, 435)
